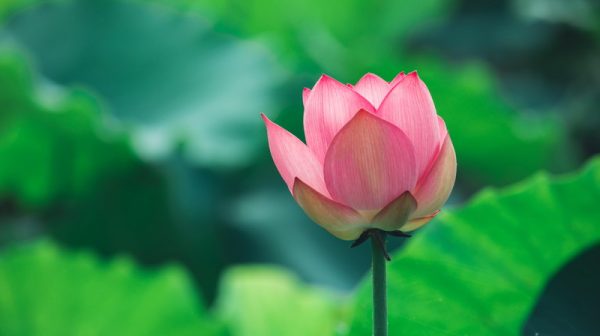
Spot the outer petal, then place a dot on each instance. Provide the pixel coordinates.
(293, 158)
(329, 107)
(395, 214)
(443, 130)
(373, 88)
(369, 163)
(410, 107)
(340, 220)
(435, 187)
(305, 95)
(416, 223)
(397, 79)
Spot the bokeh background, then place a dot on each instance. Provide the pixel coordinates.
(130, 141)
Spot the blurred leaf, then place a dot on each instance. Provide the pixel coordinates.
(47, 291)
(346, 39)
(52, 141)
(581, 13)
(487, 132)
(65, 171)
(479, 270)
(8, 7)
(142, 212)
(267, 301)
(174, 81)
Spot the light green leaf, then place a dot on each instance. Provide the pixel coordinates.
(168, 76)
(52, 141)
(479, 270)
(47, 291)
(267, 301)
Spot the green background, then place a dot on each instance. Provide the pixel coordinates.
(138, 196)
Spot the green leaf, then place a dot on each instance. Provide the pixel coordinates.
(345, 38)
(261, 300)
(47, 291)
(486, 131)
(52, 141)
(60, 155)
(166, 75)
(479, 270)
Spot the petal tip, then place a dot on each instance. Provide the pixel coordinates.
(297, 183)
(363, 113)
(416, 223)
(399, 77)
(325, 78)
(268, 122)
(305, 95)
(396, 213)
(369, 75)
(327, 81)
(412, 75)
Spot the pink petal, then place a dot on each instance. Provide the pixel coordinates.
(416, 223)
(410, 107)
(443, 130)
(373, 88)
(397, 79)
(369, 163)
(293, 158)
(340, 220)
(443, 133)
(396, 213)
(330, 105)
(435, 187)
(305, 95)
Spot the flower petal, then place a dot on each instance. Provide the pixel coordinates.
(305, 95)
(410, 107)
(396, 213)
(397, 79)
(373, 88)
(369, 163)
(329, 107)
(416, 223)
(443, 130)
(293, 158)
(340, 220)
(434, 188)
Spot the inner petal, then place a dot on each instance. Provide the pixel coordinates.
(369, 163)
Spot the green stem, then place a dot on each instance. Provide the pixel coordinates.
(380, 324)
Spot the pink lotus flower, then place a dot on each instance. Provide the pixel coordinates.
(377, 155)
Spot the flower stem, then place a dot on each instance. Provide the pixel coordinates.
(380, 324)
